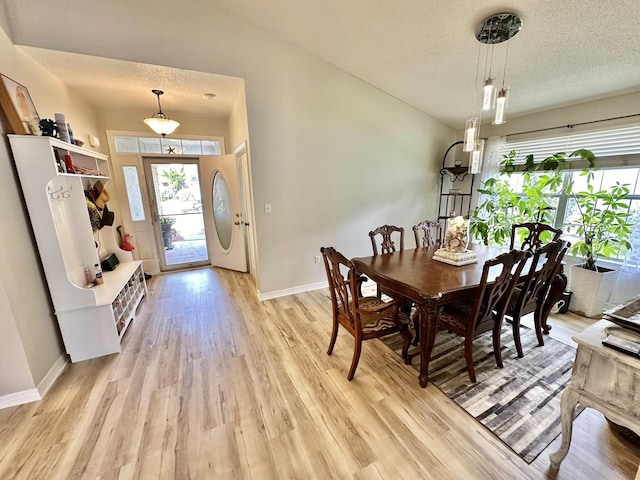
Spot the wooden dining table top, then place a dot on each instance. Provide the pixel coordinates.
(414, 273)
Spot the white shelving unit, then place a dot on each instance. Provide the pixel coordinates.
(92, 320)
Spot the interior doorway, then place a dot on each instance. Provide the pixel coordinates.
(176, 207)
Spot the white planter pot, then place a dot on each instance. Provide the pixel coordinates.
(591, 290)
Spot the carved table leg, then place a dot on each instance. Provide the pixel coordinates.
(428, 326)
(567, 408)
(558, 285)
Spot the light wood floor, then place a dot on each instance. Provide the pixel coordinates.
(213, 384)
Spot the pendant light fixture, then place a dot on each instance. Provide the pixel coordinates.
(159, 122)
(493, 30)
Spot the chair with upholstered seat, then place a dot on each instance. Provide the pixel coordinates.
(391, 239)
(363, 317)
(530, 295)
(532, 235)
(483, 312)
(428, 234)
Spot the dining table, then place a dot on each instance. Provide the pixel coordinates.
(415, 275)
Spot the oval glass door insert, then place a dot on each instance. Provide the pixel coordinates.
(222, 210)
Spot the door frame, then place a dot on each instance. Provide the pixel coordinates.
(147, 161)
(246, 199)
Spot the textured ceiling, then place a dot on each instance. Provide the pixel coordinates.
(421, 52)
(105, 82)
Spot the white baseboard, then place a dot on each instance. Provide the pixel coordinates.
(53, 374)
(18, 398)
(291, 291)
(35, 394)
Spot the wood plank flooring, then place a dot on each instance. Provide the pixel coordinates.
(213, 384)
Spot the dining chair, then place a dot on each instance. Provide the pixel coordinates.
(363, 317)
(386, 235)
(428, 234)
(530, 295)
(484, 311)
(532, 235)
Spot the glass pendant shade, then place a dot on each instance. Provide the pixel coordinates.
(471, 133)
(501, 105)
(487, 95)
(161, 125)
(158, 122)
(475, 159)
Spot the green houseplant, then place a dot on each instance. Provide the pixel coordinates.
(599, 218)
(603, 225)
(503, 207)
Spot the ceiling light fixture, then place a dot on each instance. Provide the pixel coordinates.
(159, 122)
(495, 29)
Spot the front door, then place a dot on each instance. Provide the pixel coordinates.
(226, 226)
(177, 211)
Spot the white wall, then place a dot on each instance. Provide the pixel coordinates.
(18, 377)
(334, 156)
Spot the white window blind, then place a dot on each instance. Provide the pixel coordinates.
(605, 143)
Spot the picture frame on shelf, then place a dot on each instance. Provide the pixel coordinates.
(18, 107)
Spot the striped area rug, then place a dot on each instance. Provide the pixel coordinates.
(519, 403)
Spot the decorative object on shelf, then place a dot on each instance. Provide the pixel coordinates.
(48, 128)
(70, 132)
(61, 123)
(494, 29)
(18, 107)
(159, 122)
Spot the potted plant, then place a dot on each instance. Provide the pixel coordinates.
(599, 219)
(166, 226)
(601, 222)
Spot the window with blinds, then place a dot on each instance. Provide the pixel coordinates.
(615, 147)
(618, 160)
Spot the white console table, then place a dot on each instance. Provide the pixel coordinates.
(603, 379)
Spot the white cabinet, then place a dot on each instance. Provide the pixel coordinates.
(90, 320)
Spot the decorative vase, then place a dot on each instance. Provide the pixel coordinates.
(591, 290)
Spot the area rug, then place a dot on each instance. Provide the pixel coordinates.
(519, 403)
